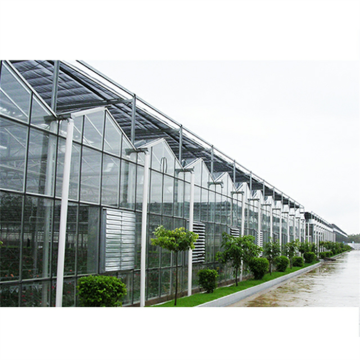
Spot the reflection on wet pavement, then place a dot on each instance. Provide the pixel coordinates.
(334, 283)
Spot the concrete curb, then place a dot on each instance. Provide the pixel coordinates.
(240, 295)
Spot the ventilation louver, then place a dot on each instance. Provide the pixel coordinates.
(198, 254)
(235, 232)
(118, 240)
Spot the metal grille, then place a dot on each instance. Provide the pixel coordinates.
(261, 240)
(235, 232)
(118, 240)
(198, 255)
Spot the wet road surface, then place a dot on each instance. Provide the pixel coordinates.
(334, 283)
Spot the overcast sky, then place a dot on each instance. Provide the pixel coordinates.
(293, 123)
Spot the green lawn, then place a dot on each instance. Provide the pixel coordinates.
(201, 298)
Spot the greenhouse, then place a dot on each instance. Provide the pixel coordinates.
(89, 170)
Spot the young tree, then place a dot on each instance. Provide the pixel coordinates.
(304, 247)
(237, 250)
(175, 241)
(272, 249)
(290, 249)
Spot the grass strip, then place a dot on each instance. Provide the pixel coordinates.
(201, 298)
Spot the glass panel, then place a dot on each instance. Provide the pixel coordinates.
(163, 159)
(41, 163)
(197, 173)
(187, 200)
(110, 181)
(41, 117)
(179, 198)
(10, 235)
(153, 284)
(78, 124)
(93, 129)
(153, 251)
(205, 176)
(38, 235)
(90, 175)
(127, 184)
(35, 294)
(88, 239)
(156, 192)
(126, 151)
(204, 204)
(9, 295)
(212, 205)
(71, 239)
(139, 187)
(168, 195)
(13, 139)
(74, 170)
(113, 135)
(14, 97)
(166, 281)
(197, 203)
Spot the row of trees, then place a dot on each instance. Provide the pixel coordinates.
(239, 252)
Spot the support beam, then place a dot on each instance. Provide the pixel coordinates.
(63, 213)
(144, 229)
(180, 143)
(212, 161)
(133, 118)
(55, 86)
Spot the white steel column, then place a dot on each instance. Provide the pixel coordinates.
(243, 214)
(288, 227)
(271, 222)
(143, 229)
(191, 227)
(242, 226)
(259, 222)
(63, 213)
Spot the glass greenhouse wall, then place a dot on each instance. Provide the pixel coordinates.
(105, 195)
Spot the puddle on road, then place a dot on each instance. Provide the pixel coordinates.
(334, 283)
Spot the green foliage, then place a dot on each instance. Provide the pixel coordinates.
(100, 291)
(298, 261)
(304, 247)
(309, 257)
(259, 267)
(272, 250)
(282, 263)
(207, 279)
(237, 250)
(354, 238)
(290, 249)
(174, 240)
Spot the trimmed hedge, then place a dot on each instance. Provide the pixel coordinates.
(282, 262)
(100, 291)
(207, 279)
(309, 257)
(298, 261)
(259, 267)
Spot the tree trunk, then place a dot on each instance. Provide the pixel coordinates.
(236, 279)
(176, 276)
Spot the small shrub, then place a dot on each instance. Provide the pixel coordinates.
(323, 255)
(100, 291)
(298, 261)
(282, 262)
(207, 279)
(309, 257)
(259, 267)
